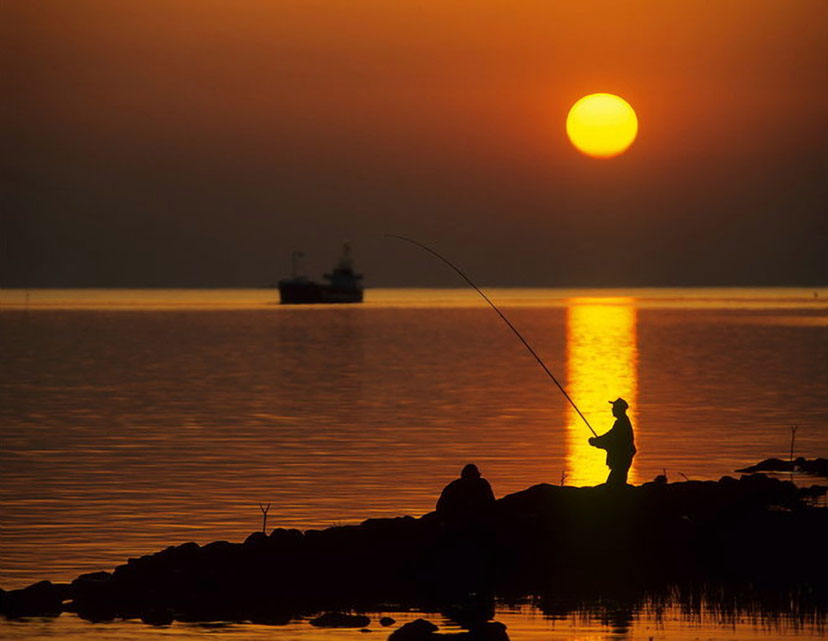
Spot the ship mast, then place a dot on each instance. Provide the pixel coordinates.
(295, 255)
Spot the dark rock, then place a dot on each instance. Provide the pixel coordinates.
(491, 631)
(815, 467)
(283, 536)
(91, 578)
(769, 465)
(271, 618)
(757, 528)
(89, 584)
(94, 613)
(219, 548)
(422, 630)
(256, 539)
(340, 620)
(471, 611)
(187, 551)
(91, 595)
(39, 599)
(813, 491)
(386, 621)
(157, 617)
(417, 630)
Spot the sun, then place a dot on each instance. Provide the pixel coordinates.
(601, 125)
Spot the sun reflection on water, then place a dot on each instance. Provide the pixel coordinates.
(601, 365)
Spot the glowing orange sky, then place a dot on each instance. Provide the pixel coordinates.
(336, 111)
(425, 69)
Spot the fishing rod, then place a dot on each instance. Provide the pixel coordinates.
(502, 316)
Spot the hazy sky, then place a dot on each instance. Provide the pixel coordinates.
(195, 143)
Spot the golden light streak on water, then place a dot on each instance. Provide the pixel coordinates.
(601, 365)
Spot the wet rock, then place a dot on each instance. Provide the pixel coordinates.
(417, 630)
(386, 621)
(340, 620)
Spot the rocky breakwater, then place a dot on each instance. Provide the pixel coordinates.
(754, 529)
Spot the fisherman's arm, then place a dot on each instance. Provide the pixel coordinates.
(604, 441)
(596, 441)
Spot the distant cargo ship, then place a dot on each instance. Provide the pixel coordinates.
(343, 284)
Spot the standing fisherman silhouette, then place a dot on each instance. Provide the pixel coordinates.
(619, 444)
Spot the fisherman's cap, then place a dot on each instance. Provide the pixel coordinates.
(619, 401)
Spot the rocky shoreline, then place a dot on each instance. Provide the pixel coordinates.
(755, 530)
(812, 467)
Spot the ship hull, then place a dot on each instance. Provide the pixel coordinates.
(309, 293)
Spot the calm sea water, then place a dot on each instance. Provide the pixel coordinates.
(132, 420)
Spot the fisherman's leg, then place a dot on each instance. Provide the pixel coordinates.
(622, 474)
(618, 476)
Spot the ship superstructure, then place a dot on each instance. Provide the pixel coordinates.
(343, 286)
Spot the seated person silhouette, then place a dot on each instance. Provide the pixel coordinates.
(619, 443)
(466, 499)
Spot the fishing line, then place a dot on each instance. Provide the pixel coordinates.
(502, 316)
